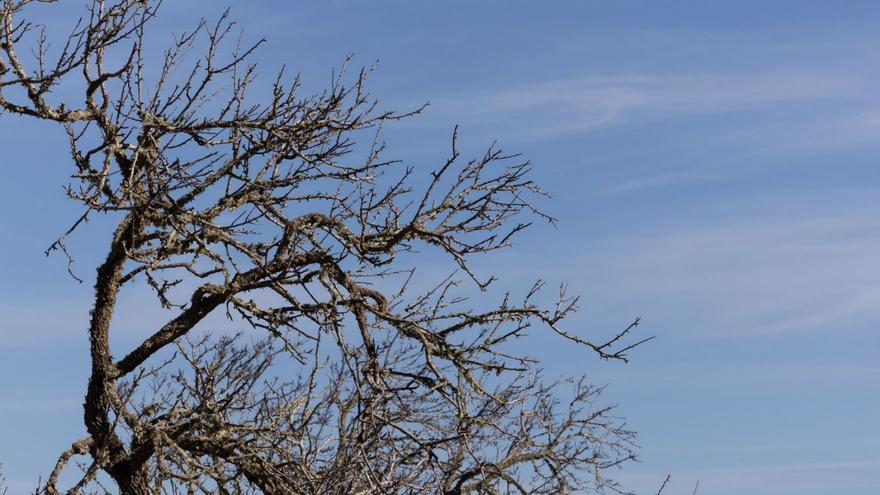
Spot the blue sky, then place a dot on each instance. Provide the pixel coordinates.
(714, 171)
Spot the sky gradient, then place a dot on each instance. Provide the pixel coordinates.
(713, 169)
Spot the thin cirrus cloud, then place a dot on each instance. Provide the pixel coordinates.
(750, 147)
(753, 277)
(778, 116)
(560, 106)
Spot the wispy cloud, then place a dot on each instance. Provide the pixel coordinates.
(661, 180)
(576, 104)
(731, 123)
(745, 147)
(751, 276)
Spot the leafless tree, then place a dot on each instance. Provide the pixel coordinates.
(354, 376)
(3, 489)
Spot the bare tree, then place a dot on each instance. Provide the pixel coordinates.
(354, 376)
